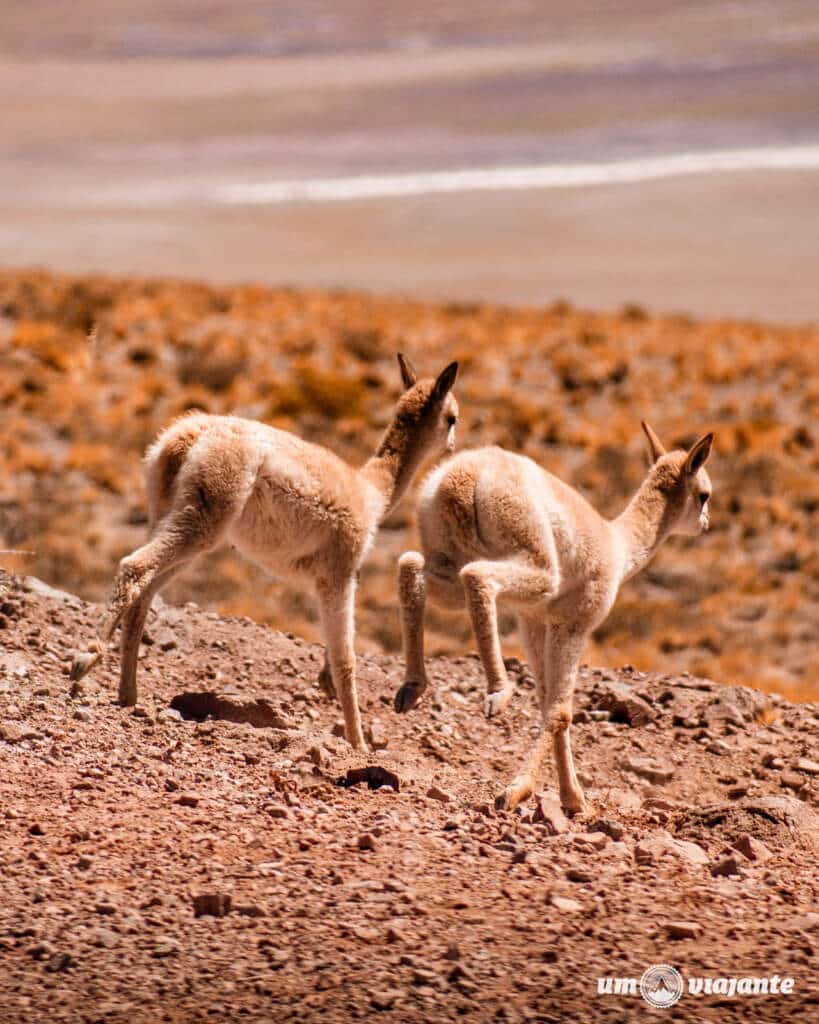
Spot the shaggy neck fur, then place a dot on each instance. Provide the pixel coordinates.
(649, 516)
(397, 457)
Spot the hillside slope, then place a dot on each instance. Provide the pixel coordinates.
(420, 904)
(568, 388)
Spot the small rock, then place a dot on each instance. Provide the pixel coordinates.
(718, 747)
(566, 905)
(452, 952)
(366, 841)
(792, 780)
(611, 828)
(807, 766)
(104, 938)
(82, 715)
(624, 705)
(279, 811)
(594, 840)
(752, 848)
(169, 715)
(188, 800)
(657, 774)
(683, 929)
(578, 875)
(377, 735)
(385, 999)
(317, 755)
(211, 905)
(549, 814)
(726, 866)
(11, 732)
(739, 791)
(655, 847)
(249, 910)
(84, 862)
(165, 948)
(436, 793)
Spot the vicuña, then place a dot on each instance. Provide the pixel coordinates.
(293, 507)
(497, 527)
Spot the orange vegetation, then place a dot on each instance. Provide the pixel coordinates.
(93, 368)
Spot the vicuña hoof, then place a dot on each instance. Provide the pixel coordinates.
(325, 681)
(574, 803)
(495, 703)
(82, 664)
(408, 696)
(513, 795)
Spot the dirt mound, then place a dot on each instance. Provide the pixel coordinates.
(158, 864)
(778, 821)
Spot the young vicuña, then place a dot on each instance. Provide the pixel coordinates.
(293, 507)
(497, 527)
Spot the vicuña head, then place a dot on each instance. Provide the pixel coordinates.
(293, 507)
(681, 476)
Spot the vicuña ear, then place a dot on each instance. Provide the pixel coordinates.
(698, 455)
(655, 445)
(443, 385)
(408, 374)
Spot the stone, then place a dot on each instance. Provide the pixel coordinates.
(752, 848)
(657, 774)
(377, 735)
(549, 814)
(807, 766)
(165, 948)
(11, 732)
(593, 840)
(578, 875)
(103, 938)
(366, 841)
(211, 904)
(726, 866)
(683, 929)
(385, 999)
(566, 905)
(623, 704)
(792, 780)
(188, 800)
(436, 793)
(660, 845)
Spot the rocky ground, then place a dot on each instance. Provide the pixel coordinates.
(197, 858)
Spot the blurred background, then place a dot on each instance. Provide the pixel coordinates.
(496, 171)
(166, 136)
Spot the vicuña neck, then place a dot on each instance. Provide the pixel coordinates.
(395, 462)
(643, 525)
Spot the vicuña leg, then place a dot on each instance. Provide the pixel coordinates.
(133, 625)
(338, 616)
(412, 597)
(484, 582)
(533, 633)
(196, 527)
(562, 655)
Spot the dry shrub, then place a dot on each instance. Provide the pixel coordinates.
(567, 387)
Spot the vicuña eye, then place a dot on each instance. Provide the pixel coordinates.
(703, 496)
(452, 420)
